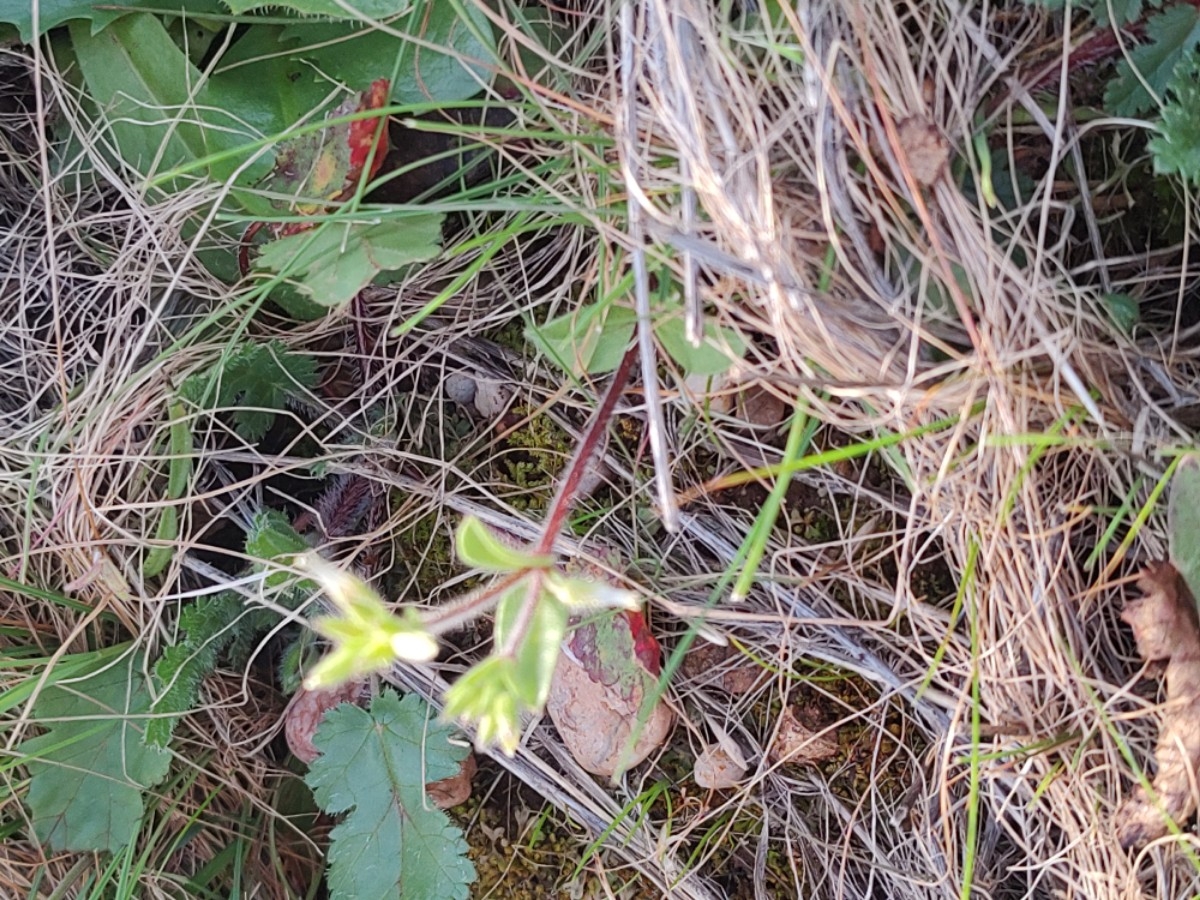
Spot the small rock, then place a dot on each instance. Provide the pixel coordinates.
(715, 770)
(460, 388)
(607, 666)
(796, 742)
(491, 398)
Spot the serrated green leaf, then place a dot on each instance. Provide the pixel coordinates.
(479, 548)
(1176, 147)
(89, 770)
(272, 538)
(333, 263)
(374, 765)
(254, 382)
(1170, 36)
(589, 341)
(371, 9)
(1183, 522)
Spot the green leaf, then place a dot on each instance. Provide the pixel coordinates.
(1170, 36)
(719, 348)
(254, 381)
(486, 697)
(141, 80)
(208, 625)
(1183, 522)
(479, 548)
(89, 770)
(272, 539)
(589, 341)
(349, 54)
(538, 654)
(275, 74)
(1176, 147)
(373, 767)
(367, 636)
(52, 13)
(335, 262)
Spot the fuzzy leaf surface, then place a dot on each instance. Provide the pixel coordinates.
(334, 263)
(1170, 36)
(89, 770)
(393, 844)
(255, 382)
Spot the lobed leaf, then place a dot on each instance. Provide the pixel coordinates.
(255, 381)
(1171, 35)
(88, 772)
(373, 767)
(335, 262)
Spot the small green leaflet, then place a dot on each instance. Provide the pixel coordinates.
(254, 381)
(481, 549)
(89, 770)
(1183, 522)
(335, 262)
(393, 843)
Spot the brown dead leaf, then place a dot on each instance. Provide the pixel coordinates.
(924, 149)
(736, 674)
(307, 709)
(1166, 628)
(452, 791)
(799, 739)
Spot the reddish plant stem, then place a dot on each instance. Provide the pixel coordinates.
(564, 500)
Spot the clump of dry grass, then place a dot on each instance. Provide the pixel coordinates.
(943, 609)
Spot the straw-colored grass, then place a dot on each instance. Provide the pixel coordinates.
(948, 596)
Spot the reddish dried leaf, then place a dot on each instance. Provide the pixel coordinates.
(307, 709)
(617, 650)
(1166, 628)
(450, 792)
(324, 167)
(321, 168)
